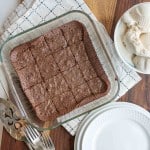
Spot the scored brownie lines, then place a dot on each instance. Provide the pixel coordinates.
(39, 59)
(69, 76)
(80, 55)
(81, 61)
(36, 62)
(61, 72)
(74, 91)
(69, 89)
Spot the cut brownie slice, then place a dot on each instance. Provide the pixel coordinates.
(93, 58)
(87, 70)
(48, 68)
(73, 32)
(37, 94)
(79, 52)
(29, 76)
(55, 40)
(21, 57)
(64, 59)
(39, 48)
(81, 92)
(95, 85)
(56, 85)
(64, 102)
(86, 101)
(46, 111)
(74, 76)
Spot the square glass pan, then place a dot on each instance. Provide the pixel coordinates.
(13, 81)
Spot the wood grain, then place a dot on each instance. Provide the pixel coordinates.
(108, 12)
(104, 10)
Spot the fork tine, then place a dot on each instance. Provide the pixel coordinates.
(32, 131)
(36, 132)
(42, 139)
(31, 134)
(47, 141)
(28, 139)
(28, 136)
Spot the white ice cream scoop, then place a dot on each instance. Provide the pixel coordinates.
(142, 63)
(141, 15)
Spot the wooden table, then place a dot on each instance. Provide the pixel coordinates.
(108, 12)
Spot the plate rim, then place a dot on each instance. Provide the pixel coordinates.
(90, 117)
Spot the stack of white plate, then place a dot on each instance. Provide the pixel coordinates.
(116, 126)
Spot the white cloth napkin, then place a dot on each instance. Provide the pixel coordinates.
(43, 10)
(13, 11)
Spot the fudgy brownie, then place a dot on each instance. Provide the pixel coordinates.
(64, 59)
(60, 71)
(37, 94)
(82, 91)
(56, 85)
(21, 57)
(55, 40)
(39, 49)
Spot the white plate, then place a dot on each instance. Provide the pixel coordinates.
(120, 119)
(83, 126)
(85, 122)
(123, 53)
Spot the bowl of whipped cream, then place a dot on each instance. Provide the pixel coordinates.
(132, 37)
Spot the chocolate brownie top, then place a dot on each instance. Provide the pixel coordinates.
(60, 71)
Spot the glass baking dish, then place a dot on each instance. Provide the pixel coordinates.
(15, 89)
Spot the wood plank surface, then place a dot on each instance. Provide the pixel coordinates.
(104, 10)
(108, 12)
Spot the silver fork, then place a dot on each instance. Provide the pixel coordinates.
(32, 135)
(47, 141)
(38, 141)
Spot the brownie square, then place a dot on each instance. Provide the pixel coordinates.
(21, 57)
(48, 68)
(55, 40)
(95, 85)
(29, 76)
(79, 52)
(39, 48)
(46, 111)
(86, 101)
(82, 91)
(17, 51)
(64, 59)
(64, 102)
(37, 94)
(56, 85)
(87, 70)
(74, 76)
(73, 32)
